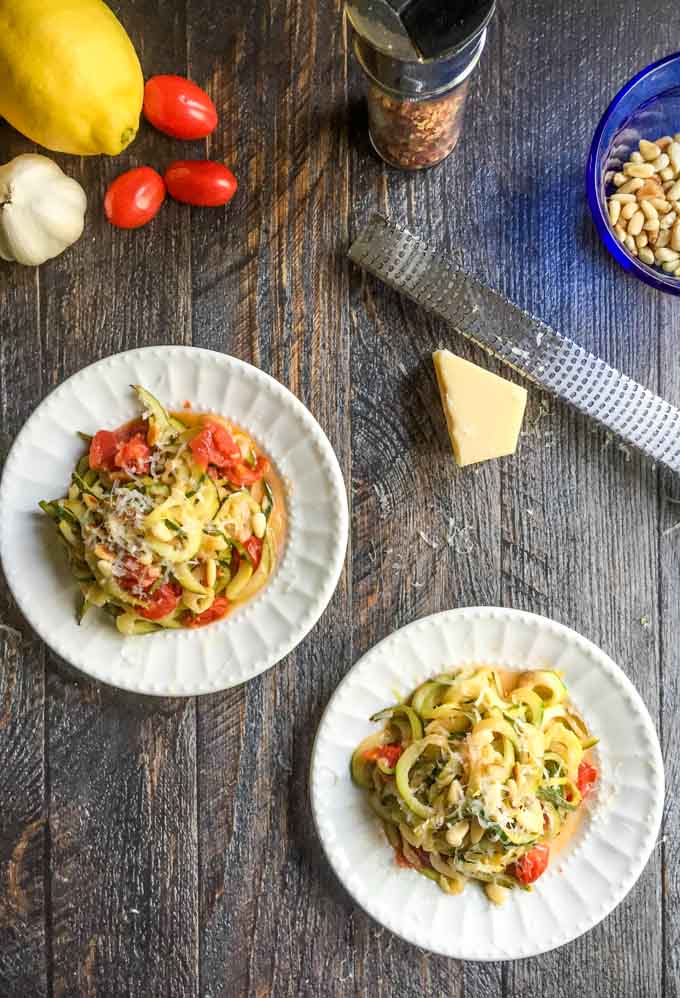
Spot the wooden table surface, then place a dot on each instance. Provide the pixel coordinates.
(165, 848)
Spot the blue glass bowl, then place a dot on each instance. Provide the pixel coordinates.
(646, 108)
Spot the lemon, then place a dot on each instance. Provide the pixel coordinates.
(70, 78)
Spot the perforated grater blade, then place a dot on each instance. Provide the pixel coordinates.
(556, 363)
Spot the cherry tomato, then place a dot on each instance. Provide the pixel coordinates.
(532, 864)
(133, 455)
(390, 753)
(134, 198)
(103, 449)
(587, 775)
(215, 612)
(178, 107)
(254, 548)
(214, 445)
(200, 181)
(242, 474)
(162, 602)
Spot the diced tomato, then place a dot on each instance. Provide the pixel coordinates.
(215, 612)
(140, 575)
(242, 474)
(106, 444)
(253, 547)
(133, 455)
(103, 450)
(532, 864)
(162, 602)
(423, 859)
(401, 859)
(214, 445)
(586, 777)
(389, 753)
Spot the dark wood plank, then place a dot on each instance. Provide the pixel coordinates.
(270, 287)
(122, 801)
(24, 892)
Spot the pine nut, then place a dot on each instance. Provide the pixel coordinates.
(675, 236)
(674, 193)
(670, 267)
(653, 237)
(259, 524)
(660, 204)
(623, 198)
(639, 170)
(676, 273)
(641, 240)
(652, 225)
(636, 157)
(667, 221)
(663, 238)
(665, 255)
(620, 233)
(646, 255)
(668, 185)
(618, 179)
(674, 154)
(663, 142)
(635, 224)
(614, 210)
(648, 210)
(662, 162)
(629, 210)
(650, 189)
(650, 150)
(105, 568)
(631, 186)
(676, 137)
(667, 174)
(629, 243)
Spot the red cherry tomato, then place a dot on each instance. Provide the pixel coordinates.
(200, 182)
(215, 612)
(390, 753)
(134, 198)
(254, 548)
(133, 455)
(214, 445)
(140, 575)
(103, 449)
(587, 775)
(163, 601)
(243, 474)
(178, 107)
(532, 864)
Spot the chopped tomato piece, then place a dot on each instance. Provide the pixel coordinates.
(401, 859)
(106, 443)
(214, 445)
(242, 474)
(162, 602)
(253, 547)
(530, 866)
(133, 455)
(103, 450)
(390, 754)
(423, 859)
(215, 612)
(587, 775)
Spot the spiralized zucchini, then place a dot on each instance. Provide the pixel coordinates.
(169, 520)
(472, 780)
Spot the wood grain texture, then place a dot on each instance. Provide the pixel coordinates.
(166, 847)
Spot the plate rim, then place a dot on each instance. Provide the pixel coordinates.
(610, 666)
(173, 352)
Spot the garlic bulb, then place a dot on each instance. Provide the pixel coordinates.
(41, 210)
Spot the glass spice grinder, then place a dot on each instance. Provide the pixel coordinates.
(417, 56)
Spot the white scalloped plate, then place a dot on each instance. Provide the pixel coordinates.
(255, 636)
(596, 869)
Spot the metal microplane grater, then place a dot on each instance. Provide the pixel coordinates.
(554, 362)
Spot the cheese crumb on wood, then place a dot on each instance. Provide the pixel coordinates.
(483, 412)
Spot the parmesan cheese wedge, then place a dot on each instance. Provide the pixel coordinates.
(483, 412)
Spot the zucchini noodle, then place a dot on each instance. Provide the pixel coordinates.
(170, 520)
(473, 780)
